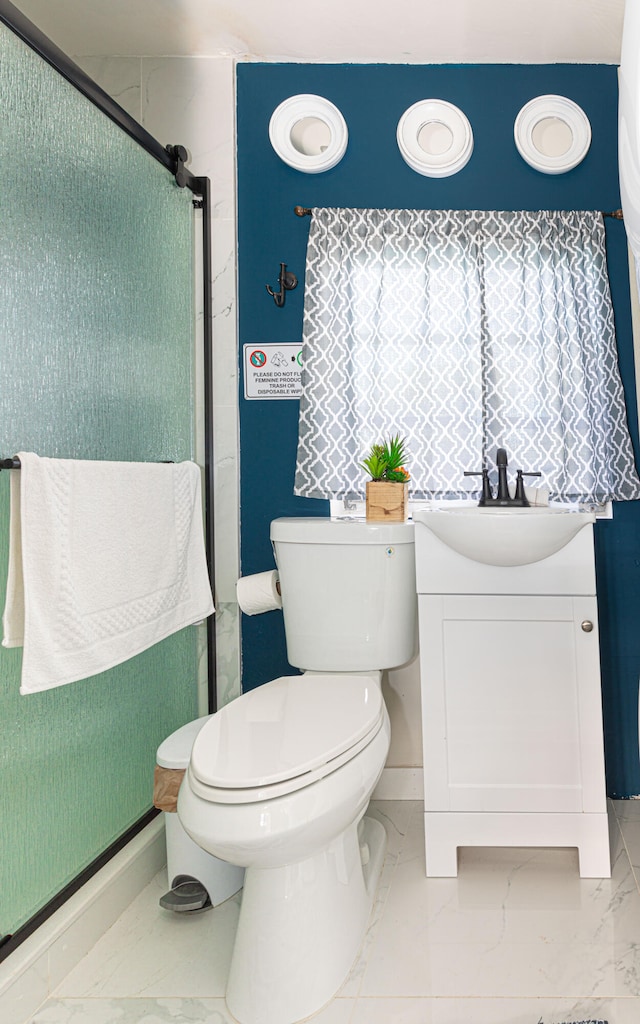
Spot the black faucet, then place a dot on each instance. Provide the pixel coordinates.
(503, 496)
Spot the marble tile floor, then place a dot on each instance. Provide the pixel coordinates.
(517, 938)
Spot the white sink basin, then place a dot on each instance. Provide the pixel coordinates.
(504, 536)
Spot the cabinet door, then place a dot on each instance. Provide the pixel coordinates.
(511, 704)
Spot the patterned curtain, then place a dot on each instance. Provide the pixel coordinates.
(462, 331)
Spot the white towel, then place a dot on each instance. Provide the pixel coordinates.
(105, 560)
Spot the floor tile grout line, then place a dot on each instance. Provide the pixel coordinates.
(628, 853)
(619, 820)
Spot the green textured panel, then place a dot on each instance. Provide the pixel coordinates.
(96, 352)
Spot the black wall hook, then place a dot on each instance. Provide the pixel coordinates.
(287, 282)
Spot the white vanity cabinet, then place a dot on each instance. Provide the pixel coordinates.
(511, 703)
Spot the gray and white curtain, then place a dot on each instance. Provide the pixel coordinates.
(462, 331)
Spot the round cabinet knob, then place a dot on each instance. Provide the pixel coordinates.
(587, 626)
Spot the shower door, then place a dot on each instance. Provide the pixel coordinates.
(97, 362)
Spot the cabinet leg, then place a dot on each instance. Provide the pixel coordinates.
(594, 855)
(441, 851)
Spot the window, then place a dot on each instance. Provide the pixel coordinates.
(463, 331)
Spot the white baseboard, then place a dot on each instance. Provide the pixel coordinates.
(400, 784)
(29, 975)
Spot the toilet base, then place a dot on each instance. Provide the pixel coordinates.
(301, 927)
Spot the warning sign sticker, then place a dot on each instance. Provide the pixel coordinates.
(273, 371)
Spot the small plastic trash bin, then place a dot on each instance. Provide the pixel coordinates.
(197, 879)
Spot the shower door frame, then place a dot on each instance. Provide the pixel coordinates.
(172, 158)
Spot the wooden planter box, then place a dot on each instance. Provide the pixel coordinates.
(387, 502)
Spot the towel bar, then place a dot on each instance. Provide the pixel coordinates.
(15, 463)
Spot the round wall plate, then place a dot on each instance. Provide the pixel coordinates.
(435, 138)
(309, 133)
(552, 133)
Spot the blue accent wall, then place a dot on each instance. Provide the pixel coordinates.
(372, 173)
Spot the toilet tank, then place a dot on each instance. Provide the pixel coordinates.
(348, 593)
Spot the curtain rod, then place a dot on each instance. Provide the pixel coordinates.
(305, 211)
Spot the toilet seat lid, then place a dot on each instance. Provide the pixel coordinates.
(286, 728)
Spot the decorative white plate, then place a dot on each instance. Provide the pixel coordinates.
(435, 138)
(308, 133)
(552, 134)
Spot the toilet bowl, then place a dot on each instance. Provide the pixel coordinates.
(292, 822)
(280, 779)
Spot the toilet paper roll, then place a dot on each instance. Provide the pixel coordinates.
(259, 593)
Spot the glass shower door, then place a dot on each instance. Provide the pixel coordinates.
(97, 362)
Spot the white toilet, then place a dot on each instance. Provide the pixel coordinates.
(279, 779)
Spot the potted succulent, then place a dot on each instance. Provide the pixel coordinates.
(388, 489)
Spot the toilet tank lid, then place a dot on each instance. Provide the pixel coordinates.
(318, 530)
(175, 751)
(286, 728)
